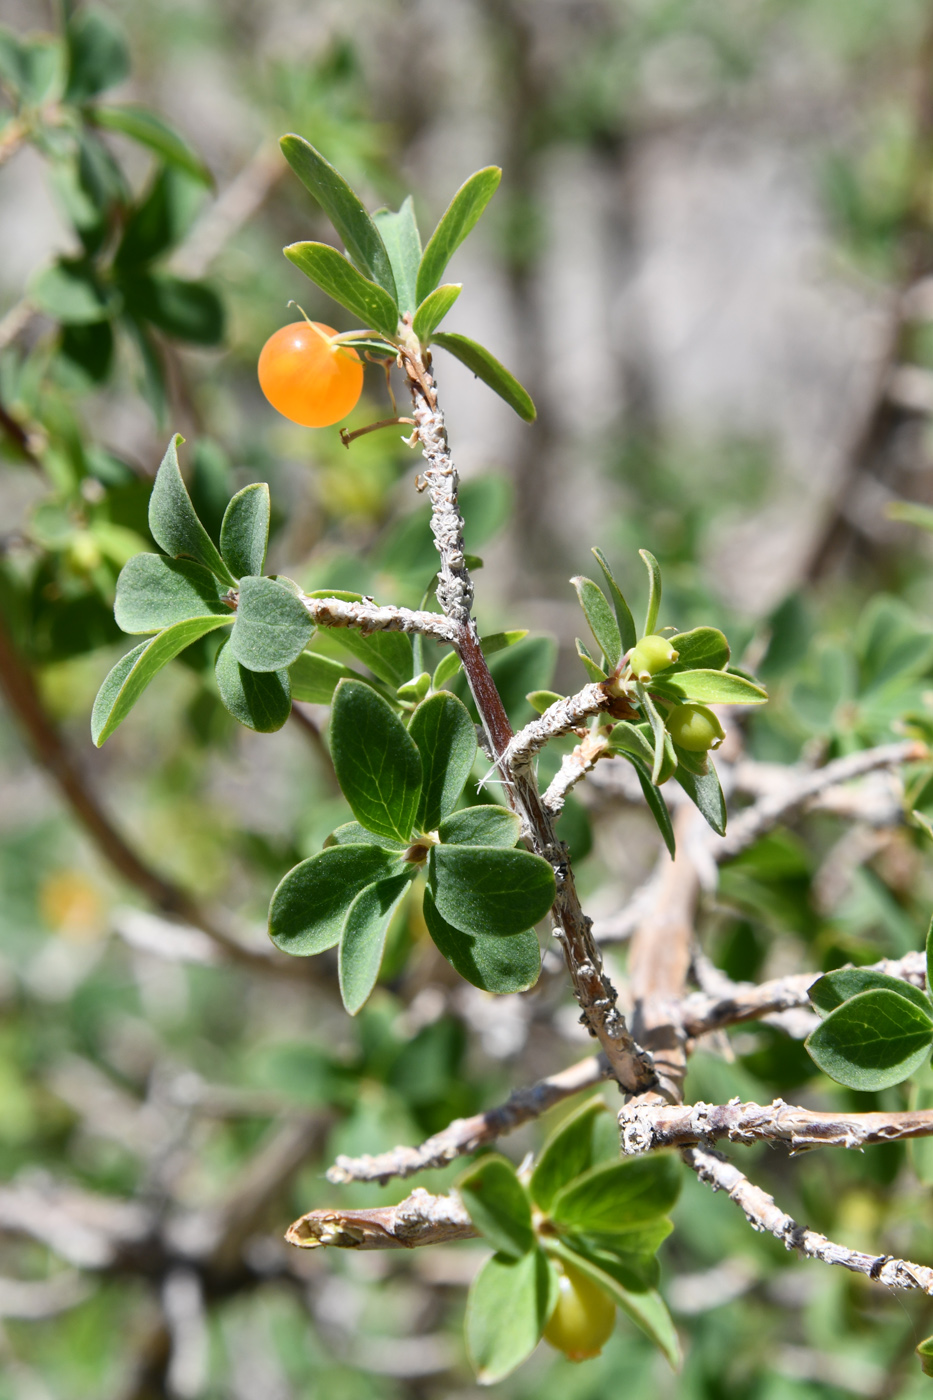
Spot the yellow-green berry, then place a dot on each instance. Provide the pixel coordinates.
(582, 1322)
(695, 728)
(651, 654)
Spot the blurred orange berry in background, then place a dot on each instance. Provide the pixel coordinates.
(307, 378)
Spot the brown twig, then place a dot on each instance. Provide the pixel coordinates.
(466, 1135)
(594, 991)
(418, 1220)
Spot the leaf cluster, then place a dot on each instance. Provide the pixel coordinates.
(582, 1206)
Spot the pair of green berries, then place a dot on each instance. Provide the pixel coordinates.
(693, 727)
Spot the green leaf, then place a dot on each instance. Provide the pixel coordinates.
(655, 801)
(704, 647)
(654, 592)
(90, 347)
(310, 904)
(342, 206)
(175, 526)
(376, 760)
(704, 791)
(190, 311)
(600, 617)
(647, 1310)
(352, 834)
(154, 592)
(433, 309)
(508, 1306)
(925, 1349)
(364, 935)
(97, 55)
(151, 131)
(446, 669)
(618, 1196)
(494, 642)
(629, 738)
(834, 988)
(486, 825)
(314, 678)
(458, 220)
(929, 961)
(595, 673)
(872, 1041)
(488, 890)
(387, 654)
(68, 292)
(446, 740)
(403, 244)
(272, 626)
(259, 700)
(498, 1205)
(626, 622)
(567, 1153)
(709, 688)
(244, 533)
(630, 1259)
(337, 276)
(157, 222)
(133, 672)
(542, 700)
(663, 761)
(499, 965)
(487, 368)
(32, 67)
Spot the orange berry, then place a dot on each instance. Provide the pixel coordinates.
(308, 378)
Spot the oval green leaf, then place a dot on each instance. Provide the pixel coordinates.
(433, 309)
(399, 233)
(710, 688)
(619, 1196)
(314, 678)
(309, 906)
(155, 592)
(499, 965)
(458, 219)
(376, 760)
(272, 626)
(260, 700)
(569, 1152)
(363, 938)
(498, 1205)
(508, 1306)
(704, 648)
(446, 739)
(172, 519)
(832, 989)
(244, 533)
(488, 890)
(486, 825)
(873, 1040)
(601, 619)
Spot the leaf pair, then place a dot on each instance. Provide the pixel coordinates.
(878, 1030)
(385, 275)
(605, 1217)
(192, 590)
(402, 785)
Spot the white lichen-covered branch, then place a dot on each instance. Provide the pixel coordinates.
(646, 1127)
(762, 1213)
(368, 616)
(418, 1220)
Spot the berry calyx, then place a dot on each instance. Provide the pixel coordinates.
(651, 654)
(582, 1322)
(695, 728)
(307, 377)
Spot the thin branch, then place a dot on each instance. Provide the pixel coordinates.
(594, 992)
(762, 1213)
(749, 826)
(245, 194)
(645, 1127)
(750, 1002)
(418, 1220)
(367, 617)
(466, 1135)
(563, 717)
(24, 700)
(573, 769)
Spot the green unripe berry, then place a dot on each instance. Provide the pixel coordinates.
(582, 1323)
(695, 728)
(650, 655)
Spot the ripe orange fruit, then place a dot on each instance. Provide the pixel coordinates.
(307, 378)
